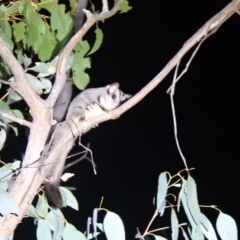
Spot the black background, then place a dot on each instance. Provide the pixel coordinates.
(133, 150)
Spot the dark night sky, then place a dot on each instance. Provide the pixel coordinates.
(132, 151)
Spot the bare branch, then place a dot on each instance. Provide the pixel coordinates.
(213, 23)
(21, 84)
(5, 82)
(105, 6)
(174, 116)
(17, 120)
(78, 160)
(61, 68)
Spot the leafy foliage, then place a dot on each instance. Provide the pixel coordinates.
(198, 226)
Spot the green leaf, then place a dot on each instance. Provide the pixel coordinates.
(159, 237)
(94, 220)
(16, 164)
(70, 232)
(42, 207)
(2, 123)
(4, 105)
(226, 226)
(207, 228)
(28, 12)
(32, 34)
(19, 52)
(41, 26)
(44, 69)
(35, 83)
(61, 22)
(32, 212)
(8, 42)
(184, 234)
(98, 41)
(55, 223)
(47, 85)
(26, 61)
(14, 128)
(4, 185)
(8, 170)
(81, 236)
(47, 46)
(71, 200)
(4, 70)
(192, 200)
(19, 30)
(43, 230)
(183, 197)
(18, 113)
(73, 7)
(174, 225)
(124, 6)
(13, 8)
(80, 78)
(48, 5)
(14, 95)
(8, 204)
(7, 29)
(2, 137)
(162, 190)
(113, 227)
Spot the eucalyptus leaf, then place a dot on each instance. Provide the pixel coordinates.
(71, 200)
(80, 64)
(48, 45)
(98, 41)
(47, 85)
(94, 220)
(174, 225)
(162, 189)
(43, 230)
(113, 227)
(26, 61)
(42, 207)
(31, 211)
(226, 227)
(2, 137)
(4, 185)
(8, 204)
(18, 113)
(19, 30)
(207, 228)
(35, 83)
(4, 105)
(70, 232)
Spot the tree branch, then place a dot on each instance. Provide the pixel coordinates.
(5, 82)
(21, 84)
(210, 25)
(17, 120)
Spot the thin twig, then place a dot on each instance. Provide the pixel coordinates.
(174, 115)
(5, 82)
(172, 89)
(78, 160)
(105, 6)
(17, 120)
(193, 55)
